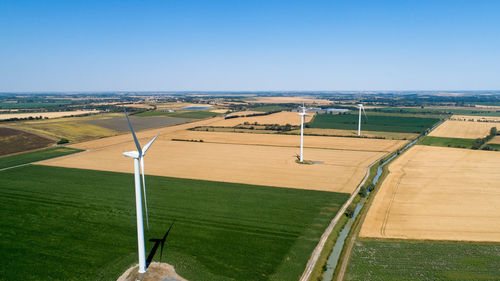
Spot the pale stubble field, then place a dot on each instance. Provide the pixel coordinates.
(438, 193)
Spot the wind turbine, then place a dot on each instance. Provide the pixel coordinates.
(361, 107)
(302, 116)
(138, 157)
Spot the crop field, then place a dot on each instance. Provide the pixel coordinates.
(245, 113)
(337, 170)
(373, 123)
(340, 143)
(463, 129)
(70, 224)
(447, 142)
(33, 156)
(140, 123)
(353, 133)
(281, 118)
(12, 141)
(445, 110)
(144, 135)
(73, 130)
(199, 114)
(45, 114)
(438, 193)
(269, 108)
(297, 100)
(419, 260)
(31, 105)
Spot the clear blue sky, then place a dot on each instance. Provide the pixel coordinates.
(249, 45)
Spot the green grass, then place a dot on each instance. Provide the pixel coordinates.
(494, 145)
(179, 114)
(373, 123)
(447, 142)
(71, 224)
(470, 112)
(423, 260)
(28, 157)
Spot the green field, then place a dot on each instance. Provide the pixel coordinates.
(28, 157)
(423, 260)
(447, 142)
(470, 112)
(180, 114)
(71, 224)
(494, 145)
(373, 123)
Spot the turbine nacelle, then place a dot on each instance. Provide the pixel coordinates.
(131, 154)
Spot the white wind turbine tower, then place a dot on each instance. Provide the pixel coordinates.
(361, 107)
(302, 116)
(138, 157)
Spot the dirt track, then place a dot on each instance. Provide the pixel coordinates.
(438, 193)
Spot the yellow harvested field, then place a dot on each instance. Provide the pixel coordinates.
(307, 100)
(137, 105)
(463, 129)
(219, 110)
(244, 113)
(179, 105)
(495, 140)
(46, 114)
(438, 193)
(281, 118)
(340, 171)
(290, 140)
(493, 119)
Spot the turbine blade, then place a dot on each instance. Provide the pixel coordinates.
(144, 190)
(165, 239)
(364, 111)
(137, 144)
(146, 147)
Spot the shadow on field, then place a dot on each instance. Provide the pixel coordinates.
(159, 242)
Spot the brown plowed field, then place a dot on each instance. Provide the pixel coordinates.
(281, 118)
(13, 141)
(464, 129)
(438, 193)
(341, 170)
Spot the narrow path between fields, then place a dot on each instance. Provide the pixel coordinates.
(319, 248)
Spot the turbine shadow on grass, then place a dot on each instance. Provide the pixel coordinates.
(158, 243)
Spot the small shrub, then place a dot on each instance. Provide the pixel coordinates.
(63, 141)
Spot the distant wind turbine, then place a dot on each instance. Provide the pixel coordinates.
(302, 116)
(138, 157)
(361, 107)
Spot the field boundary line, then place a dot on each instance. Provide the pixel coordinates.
(17, 166)
(319, 248)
